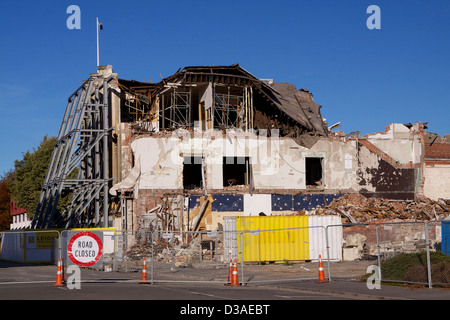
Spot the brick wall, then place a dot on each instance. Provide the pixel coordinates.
(437, 150)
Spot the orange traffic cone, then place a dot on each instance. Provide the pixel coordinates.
(321, 273)
(59, 275)
(230, 273)
(234, 276)
(144, 273)
(62, 271)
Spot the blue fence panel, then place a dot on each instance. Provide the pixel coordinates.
(445, 228)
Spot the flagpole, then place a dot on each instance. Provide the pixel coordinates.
(98, 55)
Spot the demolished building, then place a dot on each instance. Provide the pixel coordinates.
(216, 141)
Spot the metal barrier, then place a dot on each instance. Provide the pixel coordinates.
(30, 247)
(349, 251)
(395, 247)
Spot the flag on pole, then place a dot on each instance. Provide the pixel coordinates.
(99, 27)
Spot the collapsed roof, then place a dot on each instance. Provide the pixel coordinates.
(277, 105)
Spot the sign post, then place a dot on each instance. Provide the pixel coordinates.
(85, 249)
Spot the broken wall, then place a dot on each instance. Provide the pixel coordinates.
(437, 167)
(388, 239)
(391, 162)
(276, 163)
(398, 143)
(276, 181)
(379, 178)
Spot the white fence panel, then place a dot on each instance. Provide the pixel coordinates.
(317, 237)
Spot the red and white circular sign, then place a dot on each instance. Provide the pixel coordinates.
(85, 249)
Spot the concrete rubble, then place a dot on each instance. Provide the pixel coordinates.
(173, 252)
(356, 208)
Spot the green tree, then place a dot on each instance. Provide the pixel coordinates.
(29, 177)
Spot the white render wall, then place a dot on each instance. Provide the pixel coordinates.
(277, 163)
(397, 142)
(437, 184)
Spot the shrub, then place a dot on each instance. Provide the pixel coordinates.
(413, 267)
(440, 273)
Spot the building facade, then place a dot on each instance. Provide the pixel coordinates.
(210, 142)
(214, 141)
(20, 217)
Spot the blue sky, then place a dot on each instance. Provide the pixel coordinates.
(365, 79)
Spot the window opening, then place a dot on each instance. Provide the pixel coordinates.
(236, 171)
(313, 172)
(192, 173)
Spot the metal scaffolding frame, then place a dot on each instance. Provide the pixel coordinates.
(82, 143)
(228, 110)
(179, 109)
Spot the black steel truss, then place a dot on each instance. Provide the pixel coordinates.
(82, 143)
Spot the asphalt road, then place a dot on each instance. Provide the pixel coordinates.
(37, 283)
(123, 290)
(178, 298)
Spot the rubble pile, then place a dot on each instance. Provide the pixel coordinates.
(139, 251)
(355, 208)
(182, 255)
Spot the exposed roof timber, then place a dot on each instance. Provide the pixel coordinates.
(233, 74)
(137, 86)
(304, 112)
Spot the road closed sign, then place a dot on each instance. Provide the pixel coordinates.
(85, 248)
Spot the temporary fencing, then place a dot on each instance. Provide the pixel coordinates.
(413, 252)
(30, 247)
